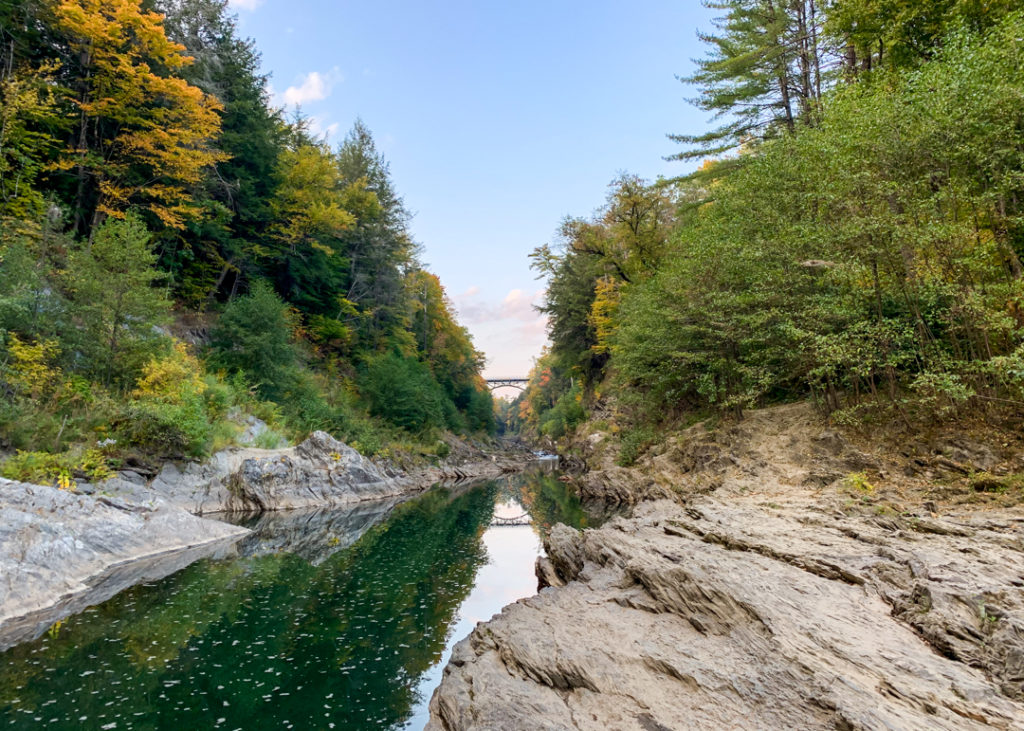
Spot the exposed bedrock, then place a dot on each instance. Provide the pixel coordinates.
(321, 472)
(731, 615)
(61, 551)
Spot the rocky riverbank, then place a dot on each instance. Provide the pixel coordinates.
(796, 580)
(319, 472)
(61, 551)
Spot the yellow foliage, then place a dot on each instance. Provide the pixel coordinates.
(119, 45)
(171, 379)
(602, 312)
(28, 99)
(32, 370)
(309, 204)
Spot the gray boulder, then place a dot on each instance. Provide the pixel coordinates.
(320, 472)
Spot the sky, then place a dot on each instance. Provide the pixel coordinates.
(498, 119)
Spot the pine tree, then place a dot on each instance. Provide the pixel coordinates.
(763, 73)
(110, 281)
(215, 253)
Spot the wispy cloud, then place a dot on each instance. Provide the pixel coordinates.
(517, 305)
(313, 87)
(510, 330)
(319, 127)
(244, 4)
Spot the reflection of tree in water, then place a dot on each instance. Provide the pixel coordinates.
(266, 642)
(547, 499)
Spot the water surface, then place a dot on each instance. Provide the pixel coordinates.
(324, 619)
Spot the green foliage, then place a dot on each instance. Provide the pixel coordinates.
(872, 259)
(763, 72)
(635, 442)
(110, 281)
(48, 469)
(254, 336)
(564, 415)
(403, 391)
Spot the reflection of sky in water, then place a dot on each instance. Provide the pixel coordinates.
(507, 576)
(331, 619)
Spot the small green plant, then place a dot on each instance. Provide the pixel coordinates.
(987, 482)
(858, 482)
(634, 443)
(272, 439)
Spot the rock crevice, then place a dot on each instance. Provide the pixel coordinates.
(767, 594)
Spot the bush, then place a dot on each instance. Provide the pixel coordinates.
(634, 443)
(172, 413)
(47, 469)
(168, 430)
(564, 415)
(403, 391)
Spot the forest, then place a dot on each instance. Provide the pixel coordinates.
(180, 257)
(852, 235)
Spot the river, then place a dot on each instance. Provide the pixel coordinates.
(318, 620)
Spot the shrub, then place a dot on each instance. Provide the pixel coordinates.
(403, 391)
(169, 414)
(634, 443)
(254, 337)
(47, 469)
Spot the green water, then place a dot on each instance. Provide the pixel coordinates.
(327, 620)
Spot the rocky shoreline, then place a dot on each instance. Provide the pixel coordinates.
(770, 592)
(61, 551)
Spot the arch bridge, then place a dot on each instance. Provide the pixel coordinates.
(523, 519)
(520, 383)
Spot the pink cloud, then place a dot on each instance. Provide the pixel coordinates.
(510, 330)
(517, 305)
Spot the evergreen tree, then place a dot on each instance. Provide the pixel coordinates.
(763, 73)
(111, 286)
(379, 247)
(227, 243)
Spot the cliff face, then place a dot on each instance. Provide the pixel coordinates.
(776, 591)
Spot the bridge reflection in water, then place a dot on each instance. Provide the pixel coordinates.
(523, 519)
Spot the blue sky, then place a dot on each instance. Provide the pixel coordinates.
(498, 119)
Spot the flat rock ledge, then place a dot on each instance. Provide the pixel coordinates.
(734, 615)
(62, 551)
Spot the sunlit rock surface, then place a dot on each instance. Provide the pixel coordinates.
(61, 551)
(728, 615)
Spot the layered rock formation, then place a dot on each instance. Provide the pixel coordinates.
(320, 472)
(61, 551)
(779, 590)
(720, 617)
